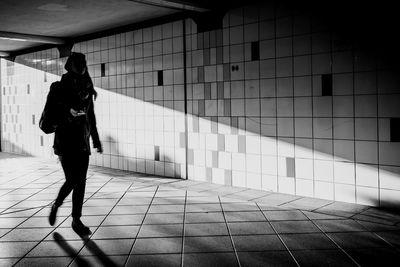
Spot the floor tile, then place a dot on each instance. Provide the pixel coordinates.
(161, 230)
(27, 234)
(244, 206)
(134, 219)
(157, 245)
(209, 260)
(10, 222)
(317, 258)
(206, 229)
(8, 262)
(155, 260)
(266, 258)
(393, 237)
(207, 207)
(294, 227)
(163, 218)
(244, 216)
(15, 249)
(44, 262)
(113, 232)
(258, 243)
(166, 208)
(107, 247)
(375, 257)
(99, 260)
(204, 217)
(208, 244)
(168, 201)
(280, 215)
(56, 248)
(357, 240)
(339, 225)
(249, 228)
(307, 241)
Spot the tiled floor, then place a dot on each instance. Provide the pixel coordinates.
(143, 220)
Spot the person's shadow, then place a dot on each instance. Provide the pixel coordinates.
(89, 244)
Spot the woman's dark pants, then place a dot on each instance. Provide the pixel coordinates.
(75, 169)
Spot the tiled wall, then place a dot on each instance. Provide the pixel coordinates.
(275, 100)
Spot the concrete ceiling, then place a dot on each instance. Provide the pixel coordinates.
(29, 23)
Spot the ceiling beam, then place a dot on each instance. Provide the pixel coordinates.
(23, 37)
(183, 5)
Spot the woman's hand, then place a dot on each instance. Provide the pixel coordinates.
(76, 113)
(100, 149)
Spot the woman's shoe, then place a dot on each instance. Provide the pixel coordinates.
(53, 214)
(80, 228)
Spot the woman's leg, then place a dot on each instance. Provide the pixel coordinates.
(67, 164)
(78, 195)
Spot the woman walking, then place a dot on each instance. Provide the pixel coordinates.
(77, 123)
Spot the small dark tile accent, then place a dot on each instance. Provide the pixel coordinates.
(290, 167)
(234, 125)
(215, 159)
(201, 108)
(182, 140)
(200, 74)
(103, 69)
(41, 140)
(206, 57)
(394, 129)
(160, 77)
(242, 144)
(255, 51)
(45, 77)
(207, 91)
(157, 153)
(195, 124)
(326, 84)
(227, 108)
(220, 55)
(220, 90)
(28, 89)
(227, 72)
(33, 119)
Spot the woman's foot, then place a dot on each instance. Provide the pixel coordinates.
(53, 214)
(79, 227)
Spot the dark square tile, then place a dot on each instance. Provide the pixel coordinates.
(208, 244)
(34, 234)
(283, 215)
(266, 258)
(358, 240)
(107, 247)
(157, 245)
(132, 209)
(168, 260)
(56, 248)
(258, 243)
(163, 218)
(339, 225)
(161, 230)
(307, 241)
(244, 216)
(206, 229)
(249, 228)
(99, 260)
(319, 258)
(209, 260)
(203, 217)
(123, 220)
(375, 257)
(113, 232)
(295, 227)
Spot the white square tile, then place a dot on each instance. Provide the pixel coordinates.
(304, 168)
(286, 185)
(253, 163)
(344, 172)
(367, 175)
(285, 107)
(322, 106)
(343, 128)
(343, 150)
(302, 106)
(269, 165)
(365, 106)
(366, 129)
(303, 127)
(239, 178)
(389, 153)
(345, 193)
(304, 188)
(323, 170)
(367, 196)
(286, 147)
(324, 190)
(285, 127)
(238, 162)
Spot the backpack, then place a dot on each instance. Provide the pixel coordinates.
(48, 120)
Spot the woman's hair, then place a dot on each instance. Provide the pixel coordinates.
(78, 59)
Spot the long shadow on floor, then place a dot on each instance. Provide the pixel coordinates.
(90, 245)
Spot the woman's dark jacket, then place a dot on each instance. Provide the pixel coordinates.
(72, 133)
